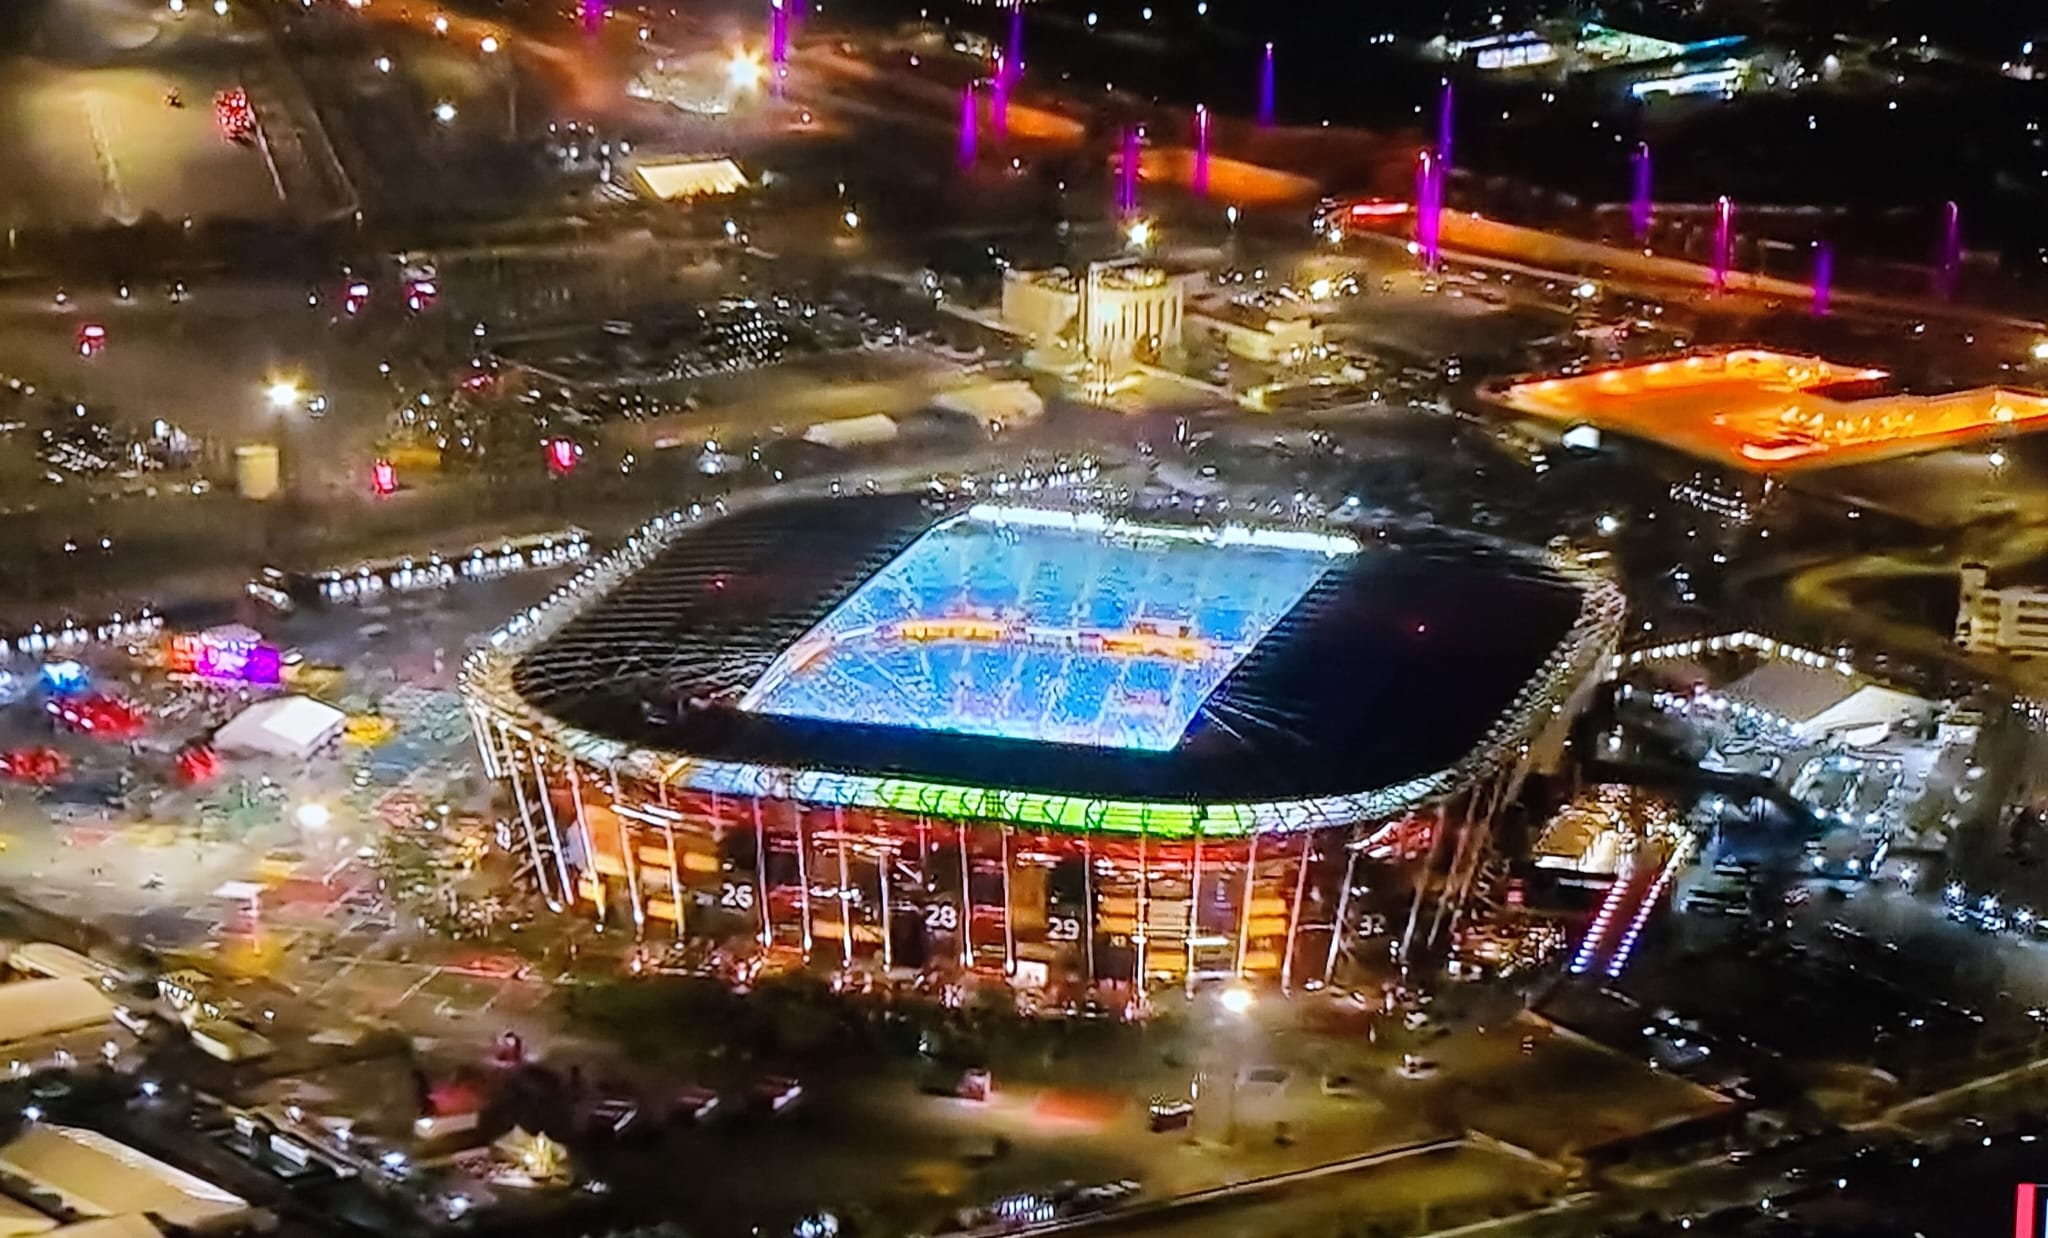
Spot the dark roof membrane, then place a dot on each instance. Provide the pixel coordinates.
(1391, 668)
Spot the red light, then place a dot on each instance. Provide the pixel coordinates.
(383, 477)
(232, 111)
(563, 455)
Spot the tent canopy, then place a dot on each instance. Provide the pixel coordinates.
(675, 179)
(33, 1009)
(96, 1176)
(1818, 701)
(285, 726)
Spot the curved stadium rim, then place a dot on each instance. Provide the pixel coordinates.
(495, 705)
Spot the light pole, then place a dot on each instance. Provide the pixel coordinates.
(1236, 1003)
(491, 46)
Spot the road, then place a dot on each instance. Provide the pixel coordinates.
(93, 140)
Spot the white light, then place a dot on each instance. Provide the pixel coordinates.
(1139, 234)
(383, 64)
(282, 394)
(1586, 290)
(440, 25)
(1236, 999)
(490, 44)
(744, 71)
(313, 815)
(1608, 523)
(444, 112)
(178, 7)
(852, 219)
(2041, 351)
(220, 8)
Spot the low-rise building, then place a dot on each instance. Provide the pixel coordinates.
(1250, 332)
(2013, 619)
(1116, 314)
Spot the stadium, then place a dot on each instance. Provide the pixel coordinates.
(1085, 749)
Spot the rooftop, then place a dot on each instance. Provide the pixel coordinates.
(1765, 411)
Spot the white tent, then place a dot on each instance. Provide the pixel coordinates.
(1868, 714)
(285, 726)
(996, 404)
(94, 1176)
(34, 1009)
(1815, 702)
(19, 1220)
(672, 179)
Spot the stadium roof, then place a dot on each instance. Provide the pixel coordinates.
(1391, 667)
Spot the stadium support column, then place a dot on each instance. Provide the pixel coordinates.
(540, 868)
(803, 875)
(1308, 848)
(1244, 905)
(1144, 909)
(668, 831)
(1088, 903)
(629, 851)
(1436, 842)
(1478, 838)
(547, 815)
(845, 890)
(1194, 917)
(1459, 854)
(1351, 849)
(1009, 930)
(481, 728)
(966, 900)
(626, 857)
(762, 917)
(883, 864)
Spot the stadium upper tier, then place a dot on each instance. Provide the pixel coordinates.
(1070, 630)
(890, 651)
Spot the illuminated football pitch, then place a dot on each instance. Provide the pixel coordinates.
(1049, 626)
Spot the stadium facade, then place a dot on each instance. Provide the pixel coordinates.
(1082, 749)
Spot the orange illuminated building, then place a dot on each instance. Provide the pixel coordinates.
(1766, 411)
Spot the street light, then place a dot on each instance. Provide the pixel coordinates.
(1139, 234)
(283, 394)
(444, 112)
